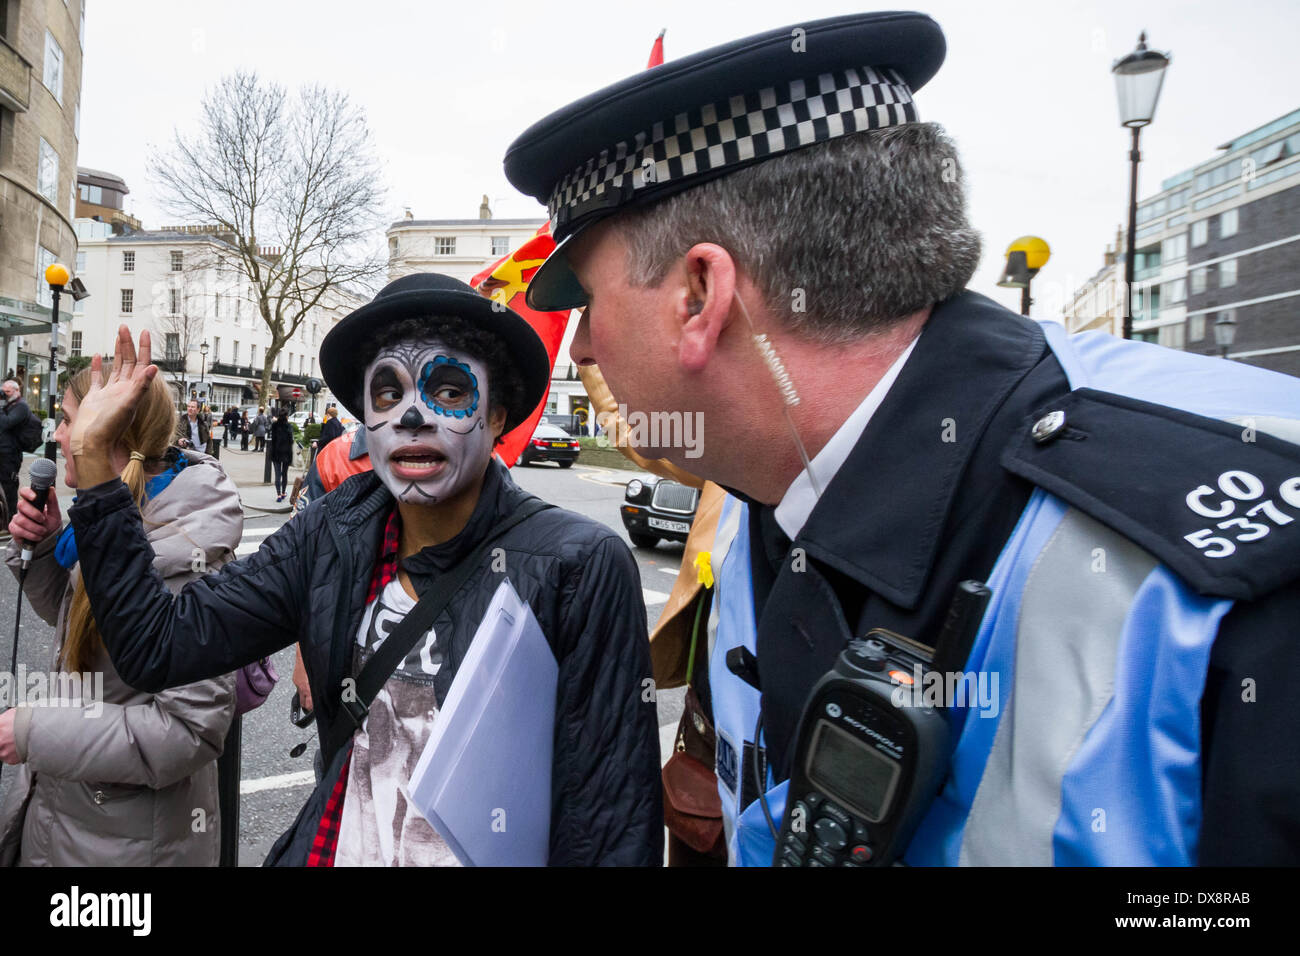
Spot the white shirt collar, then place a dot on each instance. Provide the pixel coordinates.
(799, 500)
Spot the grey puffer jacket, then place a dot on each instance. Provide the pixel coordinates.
(129, 778)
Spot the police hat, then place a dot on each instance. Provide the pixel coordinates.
(703, 116)
(347, 349)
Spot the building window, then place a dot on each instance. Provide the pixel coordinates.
(444, 246)
(252, 355)
(235, 353)
(500, 245)
(178, 260)
(54, 66)
(128, 300)
(1196, 328)
(1174, 248)
(1172, 336)
(44, 259)
(173, 346)
(216, 349)
(174, 301)
(1227, 223)
(1174, 292)
(75, 347)
(1198, 281)
(128, 261)
(1200, 232)
(1227, 273)
(47, 172)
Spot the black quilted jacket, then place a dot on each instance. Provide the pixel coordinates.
(308, 583)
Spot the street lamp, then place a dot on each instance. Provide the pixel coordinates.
(1025, 257)
(1138, 78)
(57, 275)
(203, 365)
(1225, 331)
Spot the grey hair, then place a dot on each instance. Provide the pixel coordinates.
(842, 239)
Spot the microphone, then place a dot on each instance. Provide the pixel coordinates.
(43, 473)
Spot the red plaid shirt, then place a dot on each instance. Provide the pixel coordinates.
(327, 832)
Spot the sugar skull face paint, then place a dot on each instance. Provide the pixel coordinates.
(448, 387)
(427, 422)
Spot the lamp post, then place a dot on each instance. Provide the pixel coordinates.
(57, 275)
(203, 365)
(1138, 78)
(1225, 331)
(1025, 257)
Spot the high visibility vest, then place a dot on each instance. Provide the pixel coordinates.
(1092, 755)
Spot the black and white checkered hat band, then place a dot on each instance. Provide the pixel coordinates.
(734, 131)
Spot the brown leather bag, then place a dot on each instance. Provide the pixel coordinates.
(692, 807)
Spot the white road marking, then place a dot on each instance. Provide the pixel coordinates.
(673, 571)
(653, 597)
(251, 540)
(299, 779)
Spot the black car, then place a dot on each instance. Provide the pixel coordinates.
(655, 508)
(550, 443)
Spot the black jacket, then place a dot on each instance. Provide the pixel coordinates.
(13, 415)
(281, 441)
(928, 498)
(308, 583)
(331, 430)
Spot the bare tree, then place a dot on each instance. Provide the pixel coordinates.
(297, 185)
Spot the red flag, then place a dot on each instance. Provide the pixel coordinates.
(657, 51)
(506, 281)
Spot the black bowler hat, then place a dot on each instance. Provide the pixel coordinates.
(709, 114)
(347, 349)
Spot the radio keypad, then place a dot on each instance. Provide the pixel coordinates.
(835, 837)
(830, 834)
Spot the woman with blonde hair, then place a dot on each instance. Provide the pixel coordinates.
(120, 777)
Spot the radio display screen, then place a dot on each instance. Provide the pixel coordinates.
(852, 770)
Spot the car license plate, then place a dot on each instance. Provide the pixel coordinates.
(662, 525)
(559, 444)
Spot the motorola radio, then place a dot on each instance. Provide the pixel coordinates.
(871, 755)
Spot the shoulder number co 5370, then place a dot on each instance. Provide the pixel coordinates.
(1239, 488)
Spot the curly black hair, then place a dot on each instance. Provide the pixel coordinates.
(505, 385)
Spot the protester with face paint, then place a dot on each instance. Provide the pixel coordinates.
(438, 374)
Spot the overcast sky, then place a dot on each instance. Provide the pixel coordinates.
(1026, 91)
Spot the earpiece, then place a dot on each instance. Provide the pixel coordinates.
(694, 307)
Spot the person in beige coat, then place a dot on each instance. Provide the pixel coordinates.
(126, 778)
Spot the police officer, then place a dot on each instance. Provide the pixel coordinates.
(765, 233)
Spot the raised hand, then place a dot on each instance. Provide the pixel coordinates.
(106, 410)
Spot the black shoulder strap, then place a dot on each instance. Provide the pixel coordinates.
(1211, 500)
(356, 700)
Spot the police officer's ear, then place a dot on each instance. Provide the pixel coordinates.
(704, 303)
